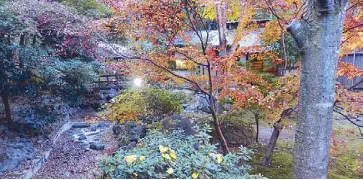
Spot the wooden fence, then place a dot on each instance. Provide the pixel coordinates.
(108, 81)
(357, 60)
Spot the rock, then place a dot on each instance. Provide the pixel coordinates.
(205, 109)
(137, 133)
(186, 126)
(168, 124)
(132, 145)
(185, 106)
(96, 146)
(134, 138)
(139, 130)
(82, 137)
(12, 155)
(177, 117)
(227, 107)
(196, 146)
(204, 105)
(85, 145)
(116, 129)
(93, 128)
(91, 133)
(104, 125)
(81, 125)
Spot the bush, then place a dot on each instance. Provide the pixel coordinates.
(184, 97)
(176, 155)
(136, 104)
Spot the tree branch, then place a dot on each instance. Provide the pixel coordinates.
(351, 28)
(351, 121)
(355, 85)
(174, 74)
(297, 29)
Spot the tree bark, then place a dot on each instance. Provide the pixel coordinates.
(318, 37)
(222, 139)
(222, 23)
(5, 99)
(257, 121)
(22, 44)
(266, 161)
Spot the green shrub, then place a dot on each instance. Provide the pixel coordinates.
(176, 155)
(90, 8)
(183, 97)
(136, 104)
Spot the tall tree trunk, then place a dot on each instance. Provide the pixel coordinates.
(212, 103)
(257, 121)
(218, 129)
(222, 23)
(266, 161)
(22, 44)
(5, 99)
(318, 37)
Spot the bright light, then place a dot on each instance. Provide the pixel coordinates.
(138, 82)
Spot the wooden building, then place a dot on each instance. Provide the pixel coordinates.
(356, 84)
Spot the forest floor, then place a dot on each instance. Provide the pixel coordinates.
(346, 158)
(71, 158)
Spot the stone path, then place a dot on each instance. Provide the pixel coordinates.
(77, 152)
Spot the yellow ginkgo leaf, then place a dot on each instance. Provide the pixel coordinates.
(163, 149)
(130, 159)
(195, 175)
(170, 171)
(142, 158)
(166, 156)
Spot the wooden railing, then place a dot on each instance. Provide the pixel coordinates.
(108, 81)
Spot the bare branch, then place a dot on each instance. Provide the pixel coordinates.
(349, 119)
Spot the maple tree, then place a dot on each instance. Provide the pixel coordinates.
(162, 24)
(151, 22)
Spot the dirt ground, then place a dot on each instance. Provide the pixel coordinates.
(69, 160)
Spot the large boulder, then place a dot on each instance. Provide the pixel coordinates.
(12, 155)
(178, 122)
(204, 104)
(116, 129)
(97, 146)
(138, 132)
(80, 125)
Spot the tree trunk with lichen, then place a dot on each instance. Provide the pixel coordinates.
(318, 37)
(222, 23)
(266, 161)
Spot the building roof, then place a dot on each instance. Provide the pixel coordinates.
(213, 39)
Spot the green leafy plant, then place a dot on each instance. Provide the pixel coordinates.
(90, 8)
(135, 104)
(176, 155)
